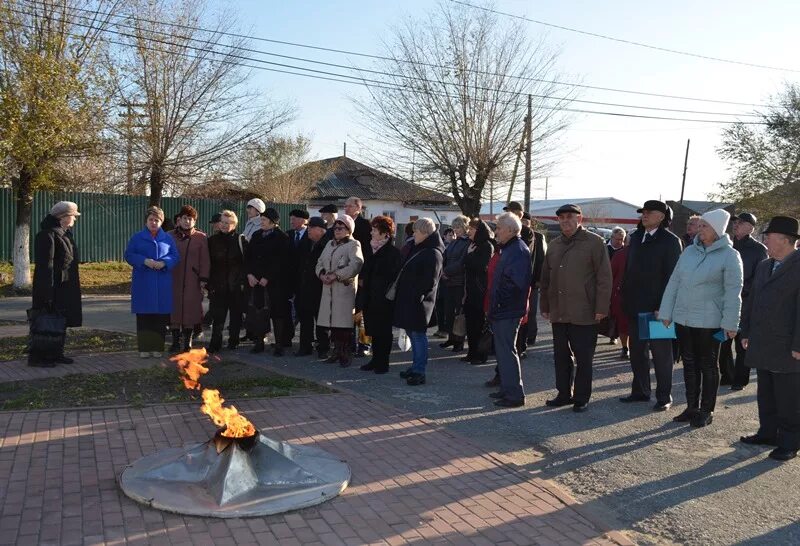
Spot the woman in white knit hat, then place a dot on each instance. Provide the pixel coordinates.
(702, 299)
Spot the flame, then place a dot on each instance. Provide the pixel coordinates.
(191, 366)
(236, 425)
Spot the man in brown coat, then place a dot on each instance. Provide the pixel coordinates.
(188, 278)
(576, 293)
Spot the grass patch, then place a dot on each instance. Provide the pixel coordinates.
(158, 384)
(97, 278)
(79, 340)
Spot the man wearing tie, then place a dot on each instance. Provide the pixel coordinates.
(301, 247)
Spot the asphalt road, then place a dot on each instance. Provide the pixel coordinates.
(659, 481)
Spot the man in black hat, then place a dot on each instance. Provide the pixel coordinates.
(771, 335)
(309, 292)
(576, 294)
(652, 255)
(736, 373)
(328, 214)
(301, 246)
(213, 225)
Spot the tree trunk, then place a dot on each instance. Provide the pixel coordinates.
(156, 186)
(22, 232)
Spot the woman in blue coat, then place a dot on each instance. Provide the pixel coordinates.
(152, 254)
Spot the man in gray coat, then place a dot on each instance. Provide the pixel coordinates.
(771, 336)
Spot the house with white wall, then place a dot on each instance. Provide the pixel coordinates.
(381, 193)
(601, 212)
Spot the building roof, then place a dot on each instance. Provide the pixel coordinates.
(345, 177)
(701, 207)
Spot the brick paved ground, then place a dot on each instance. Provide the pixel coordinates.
(98, 363)
(412, 482)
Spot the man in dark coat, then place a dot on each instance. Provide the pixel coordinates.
(771, 335)
(652, 255)
(267, 254)
(309, 292)
(736, 373)
(301, 246)
(329, 213)
(56, 283)
(226, 279)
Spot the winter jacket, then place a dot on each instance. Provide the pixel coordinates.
(251, 226)
(771, 317)
(268, 257)
(476, 264)
(703, 291)
(752, 253)
(363, 234)
(226, 253)
(378, 274)
(453, 266)
(187, 296)
(417, 285)
(309, 290)
(338, 300)
(511, 282)
(55, 278)
(151, 290)
(648, 269)
(576, 279)
(299, 252)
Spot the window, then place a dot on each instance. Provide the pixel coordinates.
(389, 213)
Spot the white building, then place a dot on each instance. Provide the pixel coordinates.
(381, 193)
(604, 212)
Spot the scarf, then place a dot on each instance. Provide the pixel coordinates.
(377, 245)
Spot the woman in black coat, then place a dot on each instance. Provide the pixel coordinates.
(266, 259)
(378, 274)
(226, 250)
(476, 264)
(415, 294)
(56, 284)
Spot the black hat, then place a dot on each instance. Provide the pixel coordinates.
(513, 205)
(272, 214)
(526, 215)
(568, 208)
(747, 217)
(655, 205)
(785, 225)
(299, 213)
(331, 208)
(316, 221)
(216, 218)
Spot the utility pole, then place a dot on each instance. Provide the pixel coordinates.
(546, 183)
(344, 150)
(528, 122)
(516, 162)
(685, 164)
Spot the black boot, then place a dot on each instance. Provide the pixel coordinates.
(176, 341)
(216, 342)
(187, 339)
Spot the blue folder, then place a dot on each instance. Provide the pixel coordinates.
(651, 328)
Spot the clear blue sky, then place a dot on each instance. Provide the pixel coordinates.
(630, 159)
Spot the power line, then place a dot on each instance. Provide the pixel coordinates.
(432, 65)
(624, 41)
(321, 74)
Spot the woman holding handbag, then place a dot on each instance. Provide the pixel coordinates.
(338, 268)
(56, 286)
(476, 264)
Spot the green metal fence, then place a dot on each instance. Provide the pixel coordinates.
(107, 220)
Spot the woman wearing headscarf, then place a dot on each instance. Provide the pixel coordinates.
(338, 268)
(476, 264)
(152, 255)
(702, 298)
(378, 273)
(56, 284)
(189, 279)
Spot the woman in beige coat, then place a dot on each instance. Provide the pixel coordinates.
(338, 269)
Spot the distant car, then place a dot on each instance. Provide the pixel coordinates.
(605, 233)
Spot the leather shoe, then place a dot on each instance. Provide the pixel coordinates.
(662, 406)
(368, 367)
(685, 416)
(415, 379)
(580, 407)
(634, 398)
(506, 403)
(498, 395)
(405, 374)
(782, 454)
(756, 440)
(737, 387)
(446, 344)
(493, 382)
(64, 360)
(701, 419)
(558, 402)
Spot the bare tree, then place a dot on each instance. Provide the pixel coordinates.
(187, 91)
(52, 97)
(452, 101)
(279, 168)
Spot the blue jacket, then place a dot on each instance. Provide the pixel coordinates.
(704, 289)
(151, 290)
(511, 282)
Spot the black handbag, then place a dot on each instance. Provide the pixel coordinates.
(486, 340)
(256, 322)
(48, 332)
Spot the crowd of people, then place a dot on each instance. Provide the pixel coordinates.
(352, 291)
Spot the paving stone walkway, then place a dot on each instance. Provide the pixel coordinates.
(19, 370)
(413, 483)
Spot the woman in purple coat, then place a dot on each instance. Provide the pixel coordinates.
(152, 254)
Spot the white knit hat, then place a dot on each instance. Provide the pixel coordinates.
(717, 219)
(346, 220)
(257, 204)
